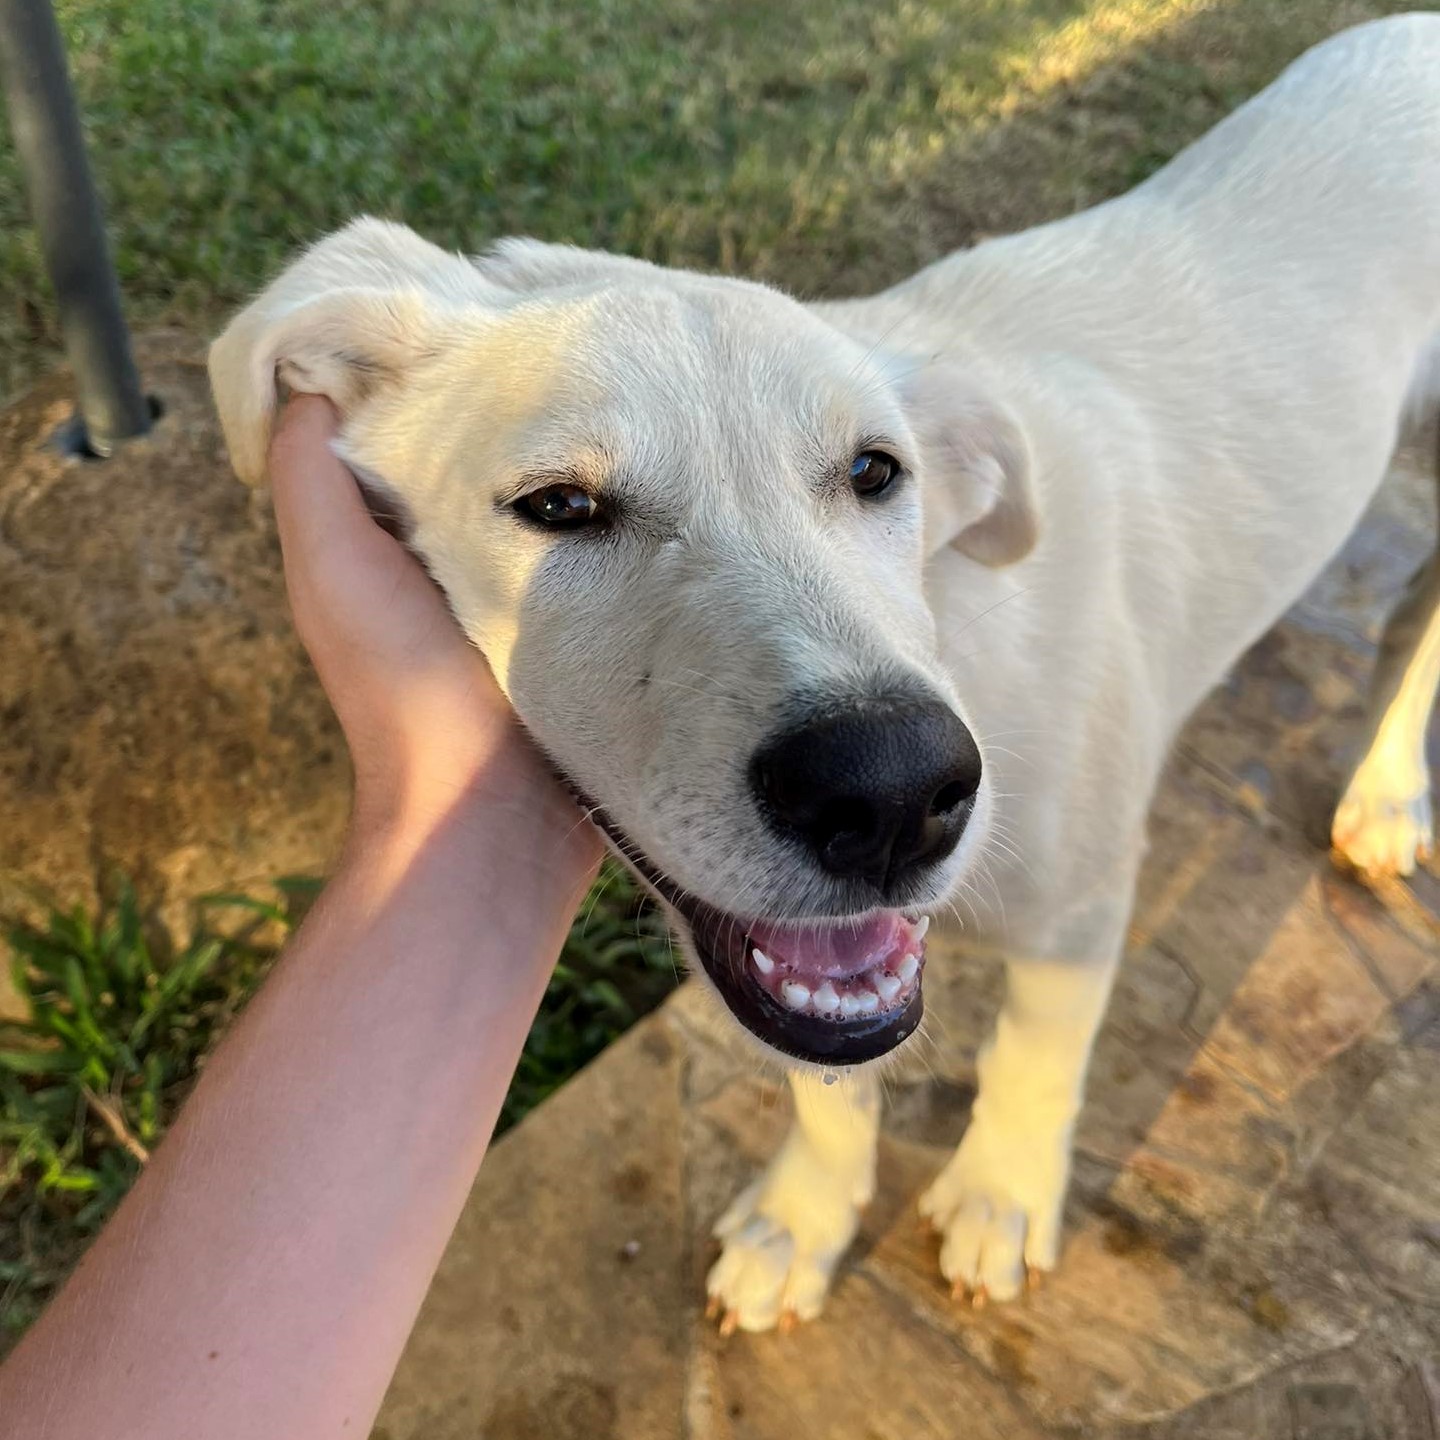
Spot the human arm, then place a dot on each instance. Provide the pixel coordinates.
(264, 1273)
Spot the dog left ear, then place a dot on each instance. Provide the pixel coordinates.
(978, 492)
(346, 320)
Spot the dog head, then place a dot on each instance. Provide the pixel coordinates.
(685, 520)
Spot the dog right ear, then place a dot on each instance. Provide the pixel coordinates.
(348, 318)
(979, 495)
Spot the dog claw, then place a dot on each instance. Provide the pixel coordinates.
(729, 1323)
(977, 1299)
(788, 1321)
(1034, 1278)
(712, 1307)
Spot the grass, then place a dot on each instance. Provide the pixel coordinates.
(117, 1025)
(828, 146)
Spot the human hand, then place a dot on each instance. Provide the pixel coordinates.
(428, 728)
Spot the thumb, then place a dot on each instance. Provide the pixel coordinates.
(318, 504)
(327, 533)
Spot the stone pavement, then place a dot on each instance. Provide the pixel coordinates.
(1253, 1241)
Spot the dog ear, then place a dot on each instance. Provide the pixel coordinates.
(346, 319)
(978, 491)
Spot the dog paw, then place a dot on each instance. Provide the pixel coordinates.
(1382, 834)
(783, 1238)
(997, 1208)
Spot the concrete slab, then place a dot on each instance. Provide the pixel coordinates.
(1253, 1241)
(565, 1309)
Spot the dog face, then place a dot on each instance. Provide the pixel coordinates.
(682, 518)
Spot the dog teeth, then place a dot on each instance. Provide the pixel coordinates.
(875, 990)
(922, 928)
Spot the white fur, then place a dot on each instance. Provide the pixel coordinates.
(1138, 434)
(785, 1233)
(1385, 822)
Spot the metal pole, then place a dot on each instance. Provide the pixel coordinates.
(66, 209)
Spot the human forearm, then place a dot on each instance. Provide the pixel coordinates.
(261, 1279)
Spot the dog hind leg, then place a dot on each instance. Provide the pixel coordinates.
(1385, 820)
(785, 1234)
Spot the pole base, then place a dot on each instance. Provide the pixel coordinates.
(73, 441)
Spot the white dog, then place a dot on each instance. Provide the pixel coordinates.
(723, 551)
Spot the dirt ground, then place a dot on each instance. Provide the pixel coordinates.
(159, 716)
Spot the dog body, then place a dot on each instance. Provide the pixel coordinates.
(1211, 374)
(1136, 436)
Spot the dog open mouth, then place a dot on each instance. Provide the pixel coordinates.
(834, 992)
(829, 991)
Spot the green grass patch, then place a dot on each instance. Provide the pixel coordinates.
(618, 963)
(117, 1024)
(828, 147)
(790, 143)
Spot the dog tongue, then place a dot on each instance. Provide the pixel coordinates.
(835, 952)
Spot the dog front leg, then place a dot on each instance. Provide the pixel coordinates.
(785, 1233)
(998, 1202)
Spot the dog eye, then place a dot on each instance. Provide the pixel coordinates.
(560, 507)
(872, 473)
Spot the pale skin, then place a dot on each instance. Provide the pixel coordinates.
(262, 1277)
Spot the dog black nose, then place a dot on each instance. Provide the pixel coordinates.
(875, 789)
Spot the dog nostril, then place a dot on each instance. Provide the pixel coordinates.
(950, 797)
